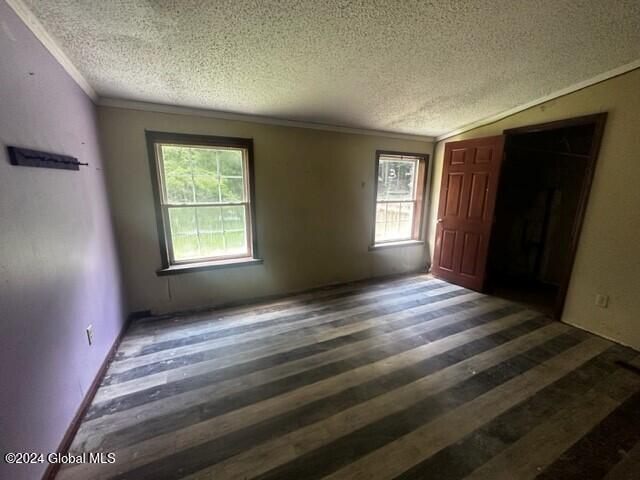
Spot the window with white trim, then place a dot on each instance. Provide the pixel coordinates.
(399, 197)
(204, 197)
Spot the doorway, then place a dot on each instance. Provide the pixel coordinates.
(511, 210)
(545, 179)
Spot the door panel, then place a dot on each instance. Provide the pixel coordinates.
(484, 154)
(447, 250)
(457, 156)
(470, 248)
(465, 211)
(454, 190)
(478, 198)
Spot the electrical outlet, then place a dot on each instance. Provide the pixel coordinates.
(602, 300)
(90, 334)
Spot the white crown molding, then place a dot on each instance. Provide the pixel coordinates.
(241, 117)
(552, 96)
(50, 44)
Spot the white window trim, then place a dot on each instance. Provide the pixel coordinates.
(165, 205)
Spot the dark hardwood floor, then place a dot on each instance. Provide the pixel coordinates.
(405, 378)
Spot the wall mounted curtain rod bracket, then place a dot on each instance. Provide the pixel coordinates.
(34, 158)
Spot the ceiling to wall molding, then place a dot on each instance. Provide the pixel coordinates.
(415, 67)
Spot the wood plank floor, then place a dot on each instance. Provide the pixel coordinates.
(405, 378)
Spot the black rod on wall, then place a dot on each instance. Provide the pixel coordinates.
(34, 158)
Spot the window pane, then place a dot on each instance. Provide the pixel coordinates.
(381, 211)
(232, 189)
(202, 174)
(204, 161)
(185, 247)
(404, 230)
(206, 189)
(178, 177)
(211, 244)
(235, 241)
(179, 188)
(396, 179)
(233, 218)
(211, 232)
(230, 162)
(394, 221)
(184, 233)
(393, 217)
(234, 222)
(183, 221)
(210, 220)
(204, 166)
(406, 212)
(205, 232)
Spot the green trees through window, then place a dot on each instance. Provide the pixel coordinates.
(205, 201)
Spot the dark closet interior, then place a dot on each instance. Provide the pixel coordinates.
(542, 181)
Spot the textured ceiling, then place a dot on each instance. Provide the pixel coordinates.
(421, 67)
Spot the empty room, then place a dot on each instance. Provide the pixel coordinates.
(339, 239)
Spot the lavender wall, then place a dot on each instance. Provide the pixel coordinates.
(58, 268)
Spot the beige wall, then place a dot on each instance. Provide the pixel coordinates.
(608, 256)
(314, 202)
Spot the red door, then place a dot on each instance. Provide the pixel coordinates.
(465, 212)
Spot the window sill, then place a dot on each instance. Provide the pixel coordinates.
(405, 243)
(203, 266)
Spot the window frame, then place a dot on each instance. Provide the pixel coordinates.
(169, 264)
(417, 228)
